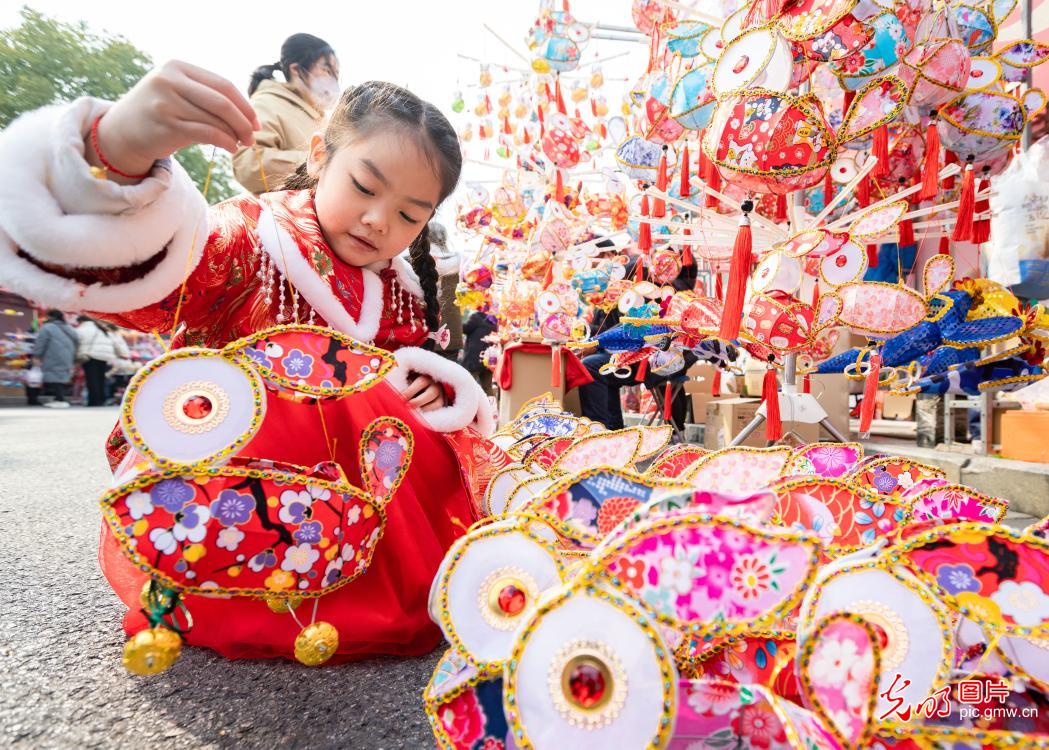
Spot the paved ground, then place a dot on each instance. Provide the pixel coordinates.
(62, 684)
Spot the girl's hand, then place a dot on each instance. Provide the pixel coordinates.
(424, 393)
(174, 106)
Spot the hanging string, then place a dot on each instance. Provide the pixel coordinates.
(189, 253)
(262, 173)
(324, 429)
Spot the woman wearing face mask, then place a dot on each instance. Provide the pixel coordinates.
(289, 111)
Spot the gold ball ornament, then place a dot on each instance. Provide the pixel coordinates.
(151, 651)
(143, 595)
(164, 596)
(316, 644)
(283, 604)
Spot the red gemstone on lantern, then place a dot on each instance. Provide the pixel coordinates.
(197, 407)
(840, 261)
(586, 684)
(512, 600)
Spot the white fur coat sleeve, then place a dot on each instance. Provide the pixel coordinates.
(55, 211)
(470, 407)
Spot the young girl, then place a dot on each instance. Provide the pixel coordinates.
(101, 219)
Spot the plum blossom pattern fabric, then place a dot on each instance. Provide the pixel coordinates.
(707, 573)
(247, 530)
(311, 358)
(840, 676)
(955, 502)
(1002, 582)
(830, 460)
(386, 452)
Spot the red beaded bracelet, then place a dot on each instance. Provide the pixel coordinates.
(105, 162)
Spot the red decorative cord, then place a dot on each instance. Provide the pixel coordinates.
(105, 162)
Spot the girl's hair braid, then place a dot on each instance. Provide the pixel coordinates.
(426, 269)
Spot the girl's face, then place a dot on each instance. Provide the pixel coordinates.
(374, 194)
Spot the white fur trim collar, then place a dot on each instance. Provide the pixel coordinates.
(405, 274)
(470, 407)
(273, 238)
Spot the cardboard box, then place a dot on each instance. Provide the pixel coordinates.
(726, 418)
(897, 407)
(699, 385)
(753, 378)
(531, 379)
(1023, 435)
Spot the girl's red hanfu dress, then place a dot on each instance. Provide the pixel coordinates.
(72, 241)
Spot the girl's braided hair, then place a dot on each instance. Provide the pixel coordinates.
(365, 109)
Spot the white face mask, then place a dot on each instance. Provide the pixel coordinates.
(324, 90)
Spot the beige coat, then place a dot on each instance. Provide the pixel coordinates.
(287, 122)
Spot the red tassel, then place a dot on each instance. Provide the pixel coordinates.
(982, 227)
(560, 99)
(950, 158)
(715, 384)
(828, 189)
(870, 394)
(806, 384)
(686, 177)
(548, 277)
(639, 269)
(945, 245)
(555, 367)
(872, 256)
(659, 207)
(880, 151)
(719, 287)
(931, 165)
(781, 208)
(863, 191)
(739, 272)
(770, 395)
(668, 403)
(644, 230)
(542, 122)
(642, 370)
(686, 254)
(963, 227)
(711, 177)
(560, 194)
(847, 101)
(906, 229)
